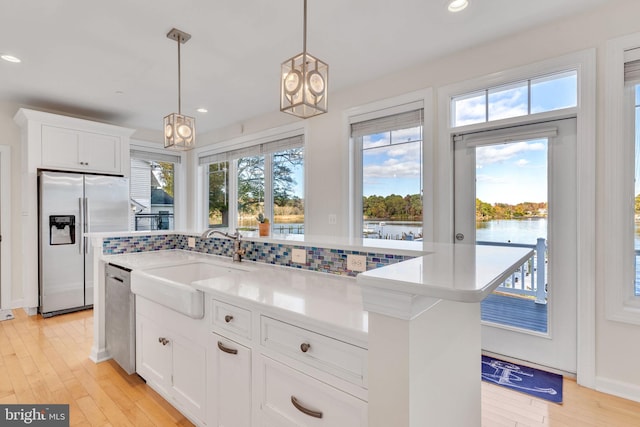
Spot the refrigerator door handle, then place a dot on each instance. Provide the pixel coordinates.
(86, 225)
(86, 215)
(80, 210)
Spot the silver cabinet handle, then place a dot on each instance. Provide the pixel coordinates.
(163, 341)
(227, 349)
(304, 347)
(307, 411)
(228, 318)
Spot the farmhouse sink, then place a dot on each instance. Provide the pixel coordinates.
(171, 285)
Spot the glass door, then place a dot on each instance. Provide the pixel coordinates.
(517, 187)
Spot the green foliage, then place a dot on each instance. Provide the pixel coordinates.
(393, 206)
(167, 177)
(486, 211)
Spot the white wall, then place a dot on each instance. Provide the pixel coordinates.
(617, 344)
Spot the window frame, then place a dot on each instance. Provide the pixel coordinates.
(179, 179)
(383, 108)
(243, 142)
(621, 304)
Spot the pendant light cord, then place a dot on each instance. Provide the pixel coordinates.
(304, 29)
(179, 78)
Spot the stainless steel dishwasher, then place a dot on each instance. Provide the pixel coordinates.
(120, 317)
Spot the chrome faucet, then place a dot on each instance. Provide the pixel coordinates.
(238, 252)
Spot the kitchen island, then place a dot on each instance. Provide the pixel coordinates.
(403, 340)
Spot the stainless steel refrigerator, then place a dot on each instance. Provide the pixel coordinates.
(70, 205)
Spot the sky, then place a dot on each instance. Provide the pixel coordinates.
(506, 173)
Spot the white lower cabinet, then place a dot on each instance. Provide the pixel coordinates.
(290, 398)
(229, 388)
(238, 367)
(172, 365)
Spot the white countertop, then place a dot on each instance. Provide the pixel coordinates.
(456, 272)
(322, 298)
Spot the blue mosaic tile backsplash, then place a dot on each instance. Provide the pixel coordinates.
(324, 260)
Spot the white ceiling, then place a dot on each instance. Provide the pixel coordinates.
(110, 60)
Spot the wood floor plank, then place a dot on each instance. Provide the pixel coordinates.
(46, 361)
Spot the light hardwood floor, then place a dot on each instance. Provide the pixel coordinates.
(45, 361)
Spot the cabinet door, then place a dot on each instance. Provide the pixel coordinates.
(100, 152)
(189, 380)
(153, 354)
(61, 148)
(230, 386)
(79, 150)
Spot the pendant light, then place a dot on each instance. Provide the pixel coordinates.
(303, 82)
(179, 130)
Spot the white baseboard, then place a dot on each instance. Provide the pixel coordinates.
(618, 388)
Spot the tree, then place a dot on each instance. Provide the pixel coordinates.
(166, 176)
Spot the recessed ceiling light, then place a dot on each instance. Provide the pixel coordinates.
(10, 58)
(458, 5)
(202, 110)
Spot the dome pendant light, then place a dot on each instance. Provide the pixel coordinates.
(179, 130)
(303, 82)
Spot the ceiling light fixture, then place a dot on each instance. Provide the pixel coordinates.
(303, 82)
(457, 5)
(179, 130)
(10, 58)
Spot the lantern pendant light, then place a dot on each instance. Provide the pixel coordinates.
(179, 130)
(303, 82)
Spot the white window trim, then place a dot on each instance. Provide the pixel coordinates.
(585, 63)
(384, 108)
(201, 173)
(179, 183)
(618, 166)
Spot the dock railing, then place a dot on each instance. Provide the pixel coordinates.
(531, 278)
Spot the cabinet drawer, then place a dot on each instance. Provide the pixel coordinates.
(291, 398)
(231, 318)
(336, 357)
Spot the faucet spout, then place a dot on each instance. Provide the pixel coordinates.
(238, 252)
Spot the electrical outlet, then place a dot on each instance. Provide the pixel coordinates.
(299, 256)
(191, 241)
(333, 219)
(357, 262)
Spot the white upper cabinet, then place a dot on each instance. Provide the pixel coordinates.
(71, 149)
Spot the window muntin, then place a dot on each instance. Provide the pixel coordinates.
(516, 99)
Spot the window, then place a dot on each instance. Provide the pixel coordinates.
(632, 86)
(389, 152)
(152, 190)
(218, 195)
(516, 99)
(268, 180)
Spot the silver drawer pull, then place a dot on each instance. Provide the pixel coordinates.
(304, 347)
(310, 412)
(227, 349)
(228, 318)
